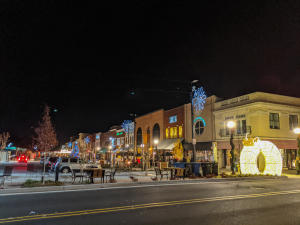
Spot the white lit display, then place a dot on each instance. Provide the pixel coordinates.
(250, 153)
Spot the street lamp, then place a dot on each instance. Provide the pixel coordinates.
(231, 125)
(110, 154)
(155, 143)
(143, 157)
(297, 131)
(192, 111)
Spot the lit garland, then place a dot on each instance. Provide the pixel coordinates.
(250, 153)
(199, 99)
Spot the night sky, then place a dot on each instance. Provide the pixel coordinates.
(98, 62)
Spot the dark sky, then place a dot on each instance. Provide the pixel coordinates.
(84, 58)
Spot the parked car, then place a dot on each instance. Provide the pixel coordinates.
(66, 164)
(22, 158)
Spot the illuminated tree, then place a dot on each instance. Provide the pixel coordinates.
(46, 135)
(4, 139)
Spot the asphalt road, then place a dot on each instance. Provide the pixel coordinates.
(244, 202)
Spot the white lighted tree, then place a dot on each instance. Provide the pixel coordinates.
(4, 139)
(45, 135)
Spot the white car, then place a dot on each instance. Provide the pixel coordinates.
(67, 164)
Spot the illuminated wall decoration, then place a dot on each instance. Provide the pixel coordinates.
(87, 140)
(253, 148)
(200, 118)
(199, 99)
(128, 126)
(75, 151)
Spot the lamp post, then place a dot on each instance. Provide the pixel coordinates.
(192, 111)
(143, 157)
(231, 126)
(110, 154)
(155, 143)
(297, 131)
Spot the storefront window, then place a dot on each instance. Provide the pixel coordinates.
(167, 133)
(180, 131)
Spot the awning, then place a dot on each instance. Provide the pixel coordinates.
(200, 146)
(103, 150)
(168, 144)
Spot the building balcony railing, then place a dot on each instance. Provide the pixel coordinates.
(236, 132)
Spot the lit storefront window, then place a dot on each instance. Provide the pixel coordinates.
(167, 133)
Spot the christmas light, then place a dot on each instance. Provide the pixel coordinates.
(199, 99)
(250, 153)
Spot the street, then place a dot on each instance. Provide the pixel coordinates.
(224, 202)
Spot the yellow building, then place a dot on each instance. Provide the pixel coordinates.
(267, 116)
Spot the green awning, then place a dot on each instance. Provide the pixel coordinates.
(102, 150)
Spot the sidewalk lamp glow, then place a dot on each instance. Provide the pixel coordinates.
(297, 130)
(142, 145)
(110, 147)
(230, 124)
(155, 141)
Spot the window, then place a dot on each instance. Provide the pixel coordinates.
(244, 126)
(293, 119)
(139, 136)
(175, 132)
(180, 131)
(167, 133)
(199, 127)
(173, 119)
(274, 121)
(171, 132)
(238, 127)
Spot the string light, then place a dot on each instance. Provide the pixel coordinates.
(271, 154)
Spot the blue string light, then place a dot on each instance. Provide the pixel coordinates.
(199, 99)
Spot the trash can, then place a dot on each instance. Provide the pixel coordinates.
(179, 164)
(196, 169)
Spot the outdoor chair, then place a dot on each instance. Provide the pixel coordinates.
(161, 173)
(110, 175)
(7, 173)
(78, 173)
(180, 173)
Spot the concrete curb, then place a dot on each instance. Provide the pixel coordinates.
(125, 184)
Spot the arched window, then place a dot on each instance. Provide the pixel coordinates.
(148, 136)
(199, 127)
(139, 137)
(156, 131)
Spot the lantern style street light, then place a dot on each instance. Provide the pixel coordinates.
(297, 131)
(231, 125)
